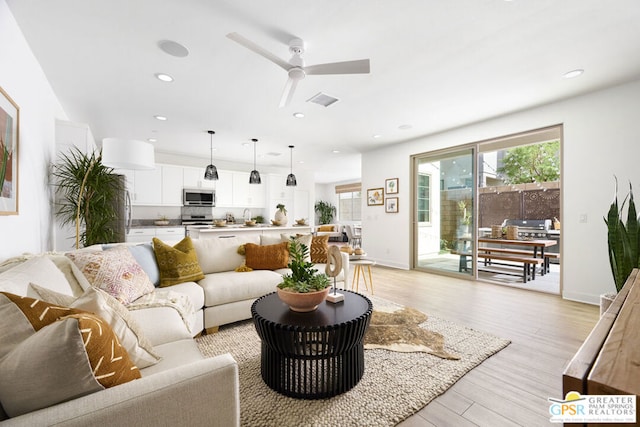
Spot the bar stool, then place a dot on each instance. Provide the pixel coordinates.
(359, 270)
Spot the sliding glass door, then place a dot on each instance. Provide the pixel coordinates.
(443, 211)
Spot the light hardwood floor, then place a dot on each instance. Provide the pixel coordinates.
(511, 388)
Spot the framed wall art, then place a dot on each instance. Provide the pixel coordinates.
(9, 126)
(391, 186)
(391, 205)
(375, 197)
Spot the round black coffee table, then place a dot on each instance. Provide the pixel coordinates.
(312, 355)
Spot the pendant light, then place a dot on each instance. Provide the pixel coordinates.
(254, 178)
(291, 178)
(211, 173)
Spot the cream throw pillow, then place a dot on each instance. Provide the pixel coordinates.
(40, 270)
(115, 314)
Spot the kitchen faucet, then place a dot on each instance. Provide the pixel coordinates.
(246, 214)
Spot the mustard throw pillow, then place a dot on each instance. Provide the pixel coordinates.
(326, 228)
(319, 248)
(269, 257)
(177, 264)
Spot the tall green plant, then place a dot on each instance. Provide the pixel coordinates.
(326, 211)
(623, 238)
(86, 191)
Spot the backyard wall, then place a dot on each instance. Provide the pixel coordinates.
(600, 140)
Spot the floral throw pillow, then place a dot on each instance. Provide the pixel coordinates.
(115, 271)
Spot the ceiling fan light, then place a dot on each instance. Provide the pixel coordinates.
(254, 178)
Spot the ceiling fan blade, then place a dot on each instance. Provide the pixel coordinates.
(259, 50)
(360, 66)
(287, 94)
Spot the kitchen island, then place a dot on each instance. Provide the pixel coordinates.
(215, 232)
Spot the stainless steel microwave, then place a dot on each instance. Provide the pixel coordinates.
(198, 197)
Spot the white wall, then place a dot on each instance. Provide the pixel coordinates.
(601, 139)
(22, 78)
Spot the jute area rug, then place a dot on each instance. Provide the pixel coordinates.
(395, 385)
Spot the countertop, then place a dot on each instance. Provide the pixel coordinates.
(241, 227)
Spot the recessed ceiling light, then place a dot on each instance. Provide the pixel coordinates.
(152, 140)
(161, 118)
(572, 74)
(335, 151)
(298, 115)
(164, 77)
(376, 136)
(404, 127)
(173, 48)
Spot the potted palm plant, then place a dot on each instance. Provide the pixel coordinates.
(304, 288)
(86, 191)
(623, 241)
(326, 211)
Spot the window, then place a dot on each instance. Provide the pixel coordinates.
(424, 202)
(349, 202)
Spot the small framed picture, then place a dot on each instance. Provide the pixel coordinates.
(391, 186)
(375, 197)
(391, 205)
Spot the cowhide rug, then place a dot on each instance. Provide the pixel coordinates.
(400, 331)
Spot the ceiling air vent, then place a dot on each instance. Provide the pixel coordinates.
(322, 99)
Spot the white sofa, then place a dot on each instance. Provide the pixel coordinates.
(334, 233)
(183, 388)
(228, 294)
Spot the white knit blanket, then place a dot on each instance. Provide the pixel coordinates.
(166, 298)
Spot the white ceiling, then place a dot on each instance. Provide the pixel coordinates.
(435, 65)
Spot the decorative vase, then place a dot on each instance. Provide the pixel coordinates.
(281, 217)
(303, 302)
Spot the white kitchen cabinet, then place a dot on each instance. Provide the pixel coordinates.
(194, 178)
(248, 195)
(140, 235)
(279, 193)
(172, 184)
(170, 234)
(147, 186)
(161, 186)
(146, 234)
(224, 189)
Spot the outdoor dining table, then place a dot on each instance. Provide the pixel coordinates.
(534, 243)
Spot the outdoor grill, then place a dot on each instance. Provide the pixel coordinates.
(528, 228)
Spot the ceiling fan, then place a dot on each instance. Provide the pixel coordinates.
(296, 68)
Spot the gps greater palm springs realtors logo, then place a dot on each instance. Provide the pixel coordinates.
(576, 408)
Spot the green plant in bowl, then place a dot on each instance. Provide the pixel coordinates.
(303, 277)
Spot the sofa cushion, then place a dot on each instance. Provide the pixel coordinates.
(120, 320)
(221, 254)
(114, 313)
(269, 257)
(23, 317)
(229, 286)
(177, 263)
(115, 271)
(319, 248)
(74, 356)
(40, 270)
(193, 291)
